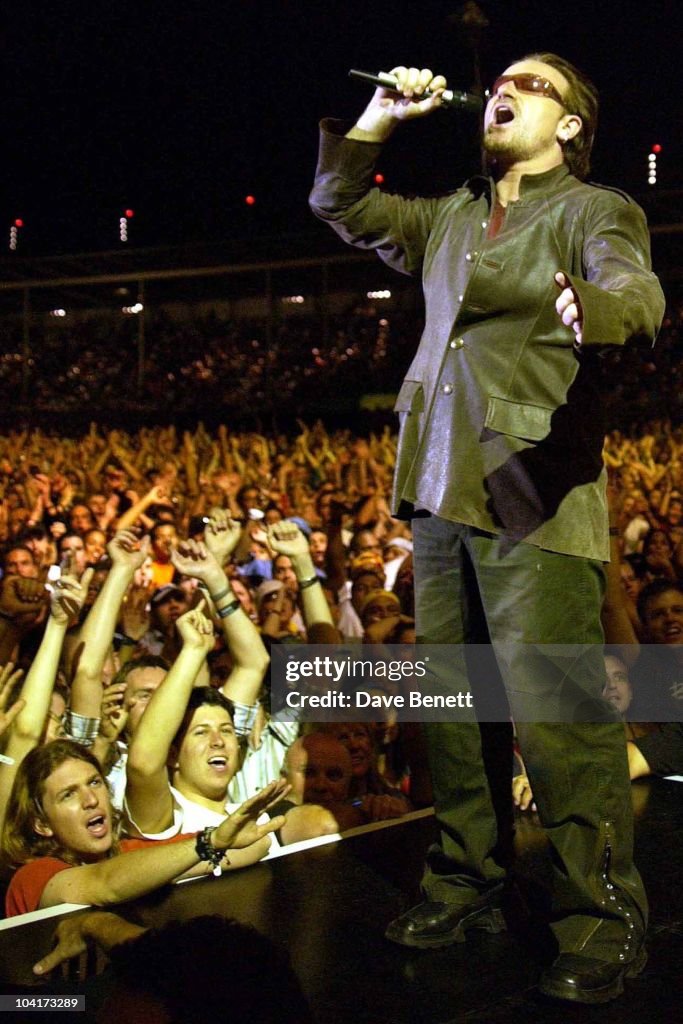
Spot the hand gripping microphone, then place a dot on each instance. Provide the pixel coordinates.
(450, 99)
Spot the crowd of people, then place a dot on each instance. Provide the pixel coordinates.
(258, 367)
(197, 361)
(146, 580)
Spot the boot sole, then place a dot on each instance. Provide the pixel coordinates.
(556, 990)
(487, 919)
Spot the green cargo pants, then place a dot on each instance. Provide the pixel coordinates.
(471, 586)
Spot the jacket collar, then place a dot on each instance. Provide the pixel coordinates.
(531, 186)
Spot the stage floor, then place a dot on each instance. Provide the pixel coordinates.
(329, 906)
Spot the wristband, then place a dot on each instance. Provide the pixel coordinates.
(124, 640)
(229, 609)
(219, 597)
(304, 584)
(205, 851)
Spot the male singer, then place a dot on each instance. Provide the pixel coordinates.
(529, 277)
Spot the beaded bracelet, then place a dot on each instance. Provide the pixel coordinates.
(205, 851)
(229, 609)
(304, 584)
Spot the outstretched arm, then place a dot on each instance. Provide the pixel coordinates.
(130, 875)
(75, 933)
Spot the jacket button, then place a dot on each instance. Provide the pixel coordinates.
(447, 389)
(456, 343)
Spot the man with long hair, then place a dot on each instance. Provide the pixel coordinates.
(62, 836)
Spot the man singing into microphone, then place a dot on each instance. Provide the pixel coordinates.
(530, 277)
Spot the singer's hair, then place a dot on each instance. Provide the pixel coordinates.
(582, 99)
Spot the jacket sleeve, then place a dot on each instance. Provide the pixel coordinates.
(396, 227)
(620, 297)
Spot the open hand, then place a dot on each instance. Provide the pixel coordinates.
(568, 306)
(240, 829)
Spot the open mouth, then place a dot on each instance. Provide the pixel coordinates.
(503, 114)
(97, 825)
(219, 764)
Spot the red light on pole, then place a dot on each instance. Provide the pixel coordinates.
(129, 213)
(18, 223)
(379, 179)
(250, 200)
(656, 148)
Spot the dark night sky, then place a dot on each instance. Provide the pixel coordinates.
(180, 110)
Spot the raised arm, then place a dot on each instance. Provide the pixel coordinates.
(148, 796)
(343, 192)
(387, 109)
(287, 539)
(155, 495)
(67, 599)
(205, 561)
(127, 555)
(28, 722)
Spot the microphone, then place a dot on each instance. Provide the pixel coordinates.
(450, 99)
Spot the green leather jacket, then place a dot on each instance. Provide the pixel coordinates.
(501, 424)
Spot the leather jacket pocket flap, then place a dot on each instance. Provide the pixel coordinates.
(530, 422)
(411, 397)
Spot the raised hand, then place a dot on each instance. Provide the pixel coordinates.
(196, 630)
(221, 535)
(193, 558)
(113, 715)
(406, 101)
(22, 600)
(68, 596)
(134, 614)
(286, 538)
(128, 550)
(158, 495)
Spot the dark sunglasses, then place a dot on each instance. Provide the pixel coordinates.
(535, 85)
